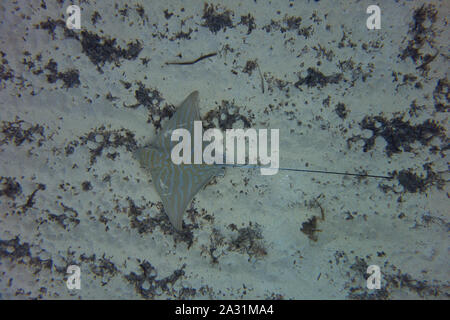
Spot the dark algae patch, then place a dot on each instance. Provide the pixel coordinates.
(30, 198)
(147, 97)
(399, 134)
(250, 66)
(309, 227)
(104, 49)
(289, 23)
(293, 23)
(50, 25)
(20, 252)
(86, 186)
(183, 35)
(98, 49)
(151, 99)
(13, 132)
(214, 20)
(103, 139)
(441, 96)
(412, 182)
(63, 220)
(102, 267)
(315, 78)
(110, 139)
(66, 220)
(147, 284)
(6, 73)
(10, 187)
(71, 78)
(248, 21)
(248, 240)
(95, 17)
(393, 279)
(421, 30)
(341, 110)
(167, 14)
(226, 116)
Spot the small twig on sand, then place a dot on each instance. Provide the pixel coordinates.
(194, 61)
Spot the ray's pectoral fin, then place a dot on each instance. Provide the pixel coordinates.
(184, 117)
(178, 184)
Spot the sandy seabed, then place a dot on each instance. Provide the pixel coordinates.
(76, 103)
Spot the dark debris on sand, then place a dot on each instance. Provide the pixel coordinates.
(250, 65)
(248, 21)
(19, 252)
(147, 97)
(226, 116)
(99, 49)
(422, 32)
(316, 78)
(103, 49)
(13, 132)
(6, 73)
(341, 110)
(70, 78)
(102, 139)
(248, 240)
(11, 188)
(395, 279)
(151, 99)
(398, 134)
(51, 24)
(412, 182)
(214, 20)
(441, 96)
(148, 286)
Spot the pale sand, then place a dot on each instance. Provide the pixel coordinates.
(405, 233)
